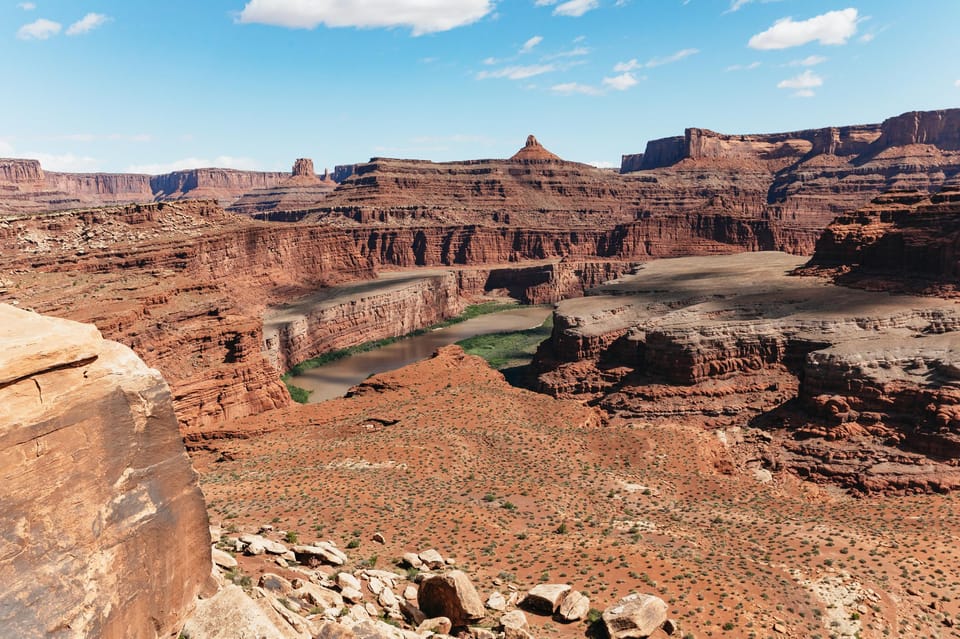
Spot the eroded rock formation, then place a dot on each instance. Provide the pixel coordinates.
(301, 190)
(728, 341)
(902, 241)
(104, 526)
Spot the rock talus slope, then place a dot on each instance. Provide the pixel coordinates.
(104, 526)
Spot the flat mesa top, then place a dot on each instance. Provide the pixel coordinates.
(746, 287)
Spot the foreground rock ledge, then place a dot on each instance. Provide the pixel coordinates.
(104, 529)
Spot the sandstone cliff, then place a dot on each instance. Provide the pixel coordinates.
(105, 528)
(901, 241)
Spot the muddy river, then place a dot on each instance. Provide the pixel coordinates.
(335, 379)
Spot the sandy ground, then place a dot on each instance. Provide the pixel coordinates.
(522, 489)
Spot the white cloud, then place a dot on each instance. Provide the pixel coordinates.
(571, 8)
(64, 162)
(809, 61)
(833, 27)
(632, 65)
(39, 30)
(422, 16)
(6, 148)
(490, 61)
(803, 84)
(530, 44)
(87, 23)
(736, 5)
(603, 164)
(867, 37)
(957, 84)
(570, 88)
(620, 82)
(570, 53)
(27, 6)
(743, 67)
(676, 57)
(517, 72)
(222, 162)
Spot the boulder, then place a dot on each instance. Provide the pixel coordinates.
(412, 560)
(574, 606)
(497, 601)
(436, 625)
(635, 616)
(320, 553)
(231, 613)
(515, 625)
(451, 595)
(546, 598)
(223, 559)
(346, 580)
(432, 559)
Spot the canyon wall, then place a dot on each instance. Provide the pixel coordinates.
(183, 284)
(105, 527)
(902, 241)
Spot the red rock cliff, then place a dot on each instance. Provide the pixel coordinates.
(105, 527)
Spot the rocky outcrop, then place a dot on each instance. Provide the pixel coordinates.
(635, 616)
(302, 190)
(533, 150)
(26, 188)
(224, 185)
(105, 528)
(728, 341)
(902, 241)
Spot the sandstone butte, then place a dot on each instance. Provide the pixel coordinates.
(105, 527)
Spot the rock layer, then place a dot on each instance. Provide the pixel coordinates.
(729, 340)
(901, 241)
(105, 528)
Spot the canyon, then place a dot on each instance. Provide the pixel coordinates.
(738, 348)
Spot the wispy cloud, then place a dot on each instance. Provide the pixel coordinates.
(87, 23)
(736, 5)
(517, 72)
(833, 27)
(631, 65)
(957, 84)
(571, 8)
(41, 29)
(809, 61)
(676, 57)
(64, 161)
(222, 162)
(27, 6)
(743, 67)
(6, 148)
(620, 82)
(570, 53)
(803, 84)
(110, 137)
(530, 44)
(421, 16)
(571, 88)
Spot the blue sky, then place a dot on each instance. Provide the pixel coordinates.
(149, 85)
